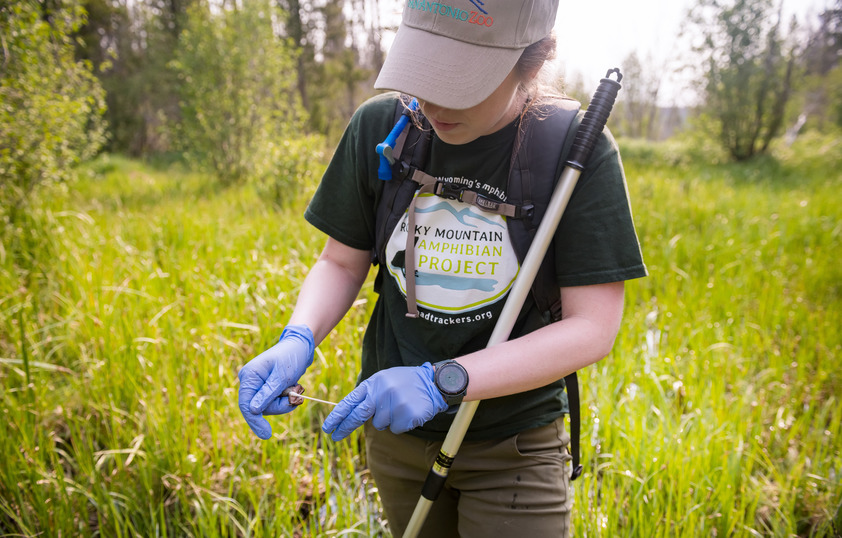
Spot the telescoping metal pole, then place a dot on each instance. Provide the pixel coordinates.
(589, 130)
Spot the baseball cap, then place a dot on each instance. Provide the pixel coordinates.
(455, 53)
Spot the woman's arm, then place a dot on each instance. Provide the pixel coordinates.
(330, 288)
(590, 321)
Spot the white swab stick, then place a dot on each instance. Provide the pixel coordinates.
(291, 393)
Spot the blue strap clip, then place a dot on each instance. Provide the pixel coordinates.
(385, 148)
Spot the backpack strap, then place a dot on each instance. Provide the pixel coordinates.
(413, 145)
(532, 180)
(571, 383)
(461, 193)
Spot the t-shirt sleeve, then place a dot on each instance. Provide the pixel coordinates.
(596, 241)
(344, 204)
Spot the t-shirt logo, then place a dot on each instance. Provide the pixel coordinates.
(464, 258)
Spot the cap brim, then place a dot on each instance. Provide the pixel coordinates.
(444, 71)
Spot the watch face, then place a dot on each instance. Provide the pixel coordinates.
(451, 378)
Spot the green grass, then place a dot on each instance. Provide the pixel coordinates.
(128, 304)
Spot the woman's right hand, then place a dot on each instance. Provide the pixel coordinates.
(264, 378)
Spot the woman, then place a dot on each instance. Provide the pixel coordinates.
(473, 71)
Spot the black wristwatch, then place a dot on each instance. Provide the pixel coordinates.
(452, 381)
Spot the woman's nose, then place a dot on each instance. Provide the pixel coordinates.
(429, 109)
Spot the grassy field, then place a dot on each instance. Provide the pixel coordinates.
(128, 303)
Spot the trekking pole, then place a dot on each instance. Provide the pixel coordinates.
(589, 130)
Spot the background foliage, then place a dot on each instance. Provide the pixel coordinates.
(132, 289)
(237, 100)
(50, 103)
(747, 72)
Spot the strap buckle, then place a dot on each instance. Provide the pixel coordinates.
(449, 191)
(524, 211)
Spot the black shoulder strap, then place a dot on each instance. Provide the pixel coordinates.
(411, 150)
(533, 175)
(532, 179)
(571, 383)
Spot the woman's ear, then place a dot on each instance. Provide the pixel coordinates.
(528, 72)
(533, 59)
(531, 74)
(528, 77)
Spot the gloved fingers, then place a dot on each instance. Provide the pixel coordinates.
(249, 384)
(405, 417)
(277, 381)
(350, 413)
(382, 417)
(279, 406)
(251, 380)
(354, 420)
(259, 425)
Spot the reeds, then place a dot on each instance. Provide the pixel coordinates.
(128, 304)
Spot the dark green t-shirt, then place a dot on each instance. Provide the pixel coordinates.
(465, 262)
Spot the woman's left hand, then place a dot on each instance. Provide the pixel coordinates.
(400, 398)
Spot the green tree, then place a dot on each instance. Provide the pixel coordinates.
(130, 44)
(747, 73)
(238, 103)
(337, 56)
(822, 61)
(637, 108)
(51, 105)
(334, 80)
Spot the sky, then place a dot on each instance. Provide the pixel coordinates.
(596, 35)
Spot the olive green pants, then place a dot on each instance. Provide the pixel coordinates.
(518, 486)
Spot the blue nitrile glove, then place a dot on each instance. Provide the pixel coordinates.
(264, 377)
(400, 398)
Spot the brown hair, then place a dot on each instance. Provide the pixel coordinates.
(535, 85)
(535, 55)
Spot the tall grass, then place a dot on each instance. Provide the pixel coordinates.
(128, 304)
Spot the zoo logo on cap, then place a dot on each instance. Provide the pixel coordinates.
(479, 4)
(480, 17)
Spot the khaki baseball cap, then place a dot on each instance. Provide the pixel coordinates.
(455, 53)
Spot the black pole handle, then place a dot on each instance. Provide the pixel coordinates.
(594, 121)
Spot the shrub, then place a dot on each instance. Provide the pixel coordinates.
(51, 106)
(293, 165)
(237, 99)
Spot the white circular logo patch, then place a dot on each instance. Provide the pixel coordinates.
(464, 258)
